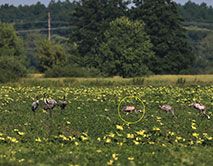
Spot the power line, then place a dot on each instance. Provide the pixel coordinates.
(39, 22)
(43, 29)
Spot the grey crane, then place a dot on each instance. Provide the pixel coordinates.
(49, 101)
(63, 103)
(49, 104)
(200, 107)
(35, 105)
(130, 109)
(168, 108)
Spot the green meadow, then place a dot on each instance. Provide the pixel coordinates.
(91, 132)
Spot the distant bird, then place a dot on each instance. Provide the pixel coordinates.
(35, 105)
(49, 101)
(168, 108)
(130, 109)
(63, 103)
(49, 104)
(48, 107)
(200, 107)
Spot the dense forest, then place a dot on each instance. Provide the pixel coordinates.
(172, 38)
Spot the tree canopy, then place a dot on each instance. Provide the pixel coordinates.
(163, 25)
(126, 49)
(84, 22)
(10, 43)
(50, 54)
(11, 54)
(91, 18)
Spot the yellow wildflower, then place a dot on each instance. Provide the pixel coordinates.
(155, 129)
(71, 138)
(111, 135)
(204, 134)
(119, 134)
(195, 135)
(141, 132)
(136, 142)
(68, 122)
(20, 133)
(120, 143)
(98, 151)
(209, 138)
(130, 158)
(119, 127)
(115, 156)
(130, 135)
(21, 160)
(84, 138)
(178, 138)
(38, 140)
(99, 139)
(199, 142)
(110, 162)
(108, 140)
(2, 138)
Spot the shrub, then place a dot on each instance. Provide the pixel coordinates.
(71, 71)
(11, 69)
(181, 81)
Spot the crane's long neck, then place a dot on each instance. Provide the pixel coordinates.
(208, 117)
(37, 100)
(45, 100)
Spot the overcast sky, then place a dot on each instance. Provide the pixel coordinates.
(46, 2)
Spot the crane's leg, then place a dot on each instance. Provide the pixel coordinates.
(50, 113)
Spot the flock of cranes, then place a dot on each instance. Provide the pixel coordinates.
(49, 104)
(168, 108)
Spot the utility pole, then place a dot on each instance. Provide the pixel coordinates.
(49, 28)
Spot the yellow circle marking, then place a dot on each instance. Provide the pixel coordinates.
(136, 120)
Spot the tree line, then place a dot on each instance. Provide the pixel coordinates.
(107, 37)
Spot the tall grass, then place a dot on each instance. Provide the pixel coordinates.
(158, 80)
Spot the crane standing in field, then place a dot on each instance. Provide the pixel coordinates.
(168, 108)
(63, 103)
(35, 105)
(130, 109)
(49, 104)
(49, 101)
(200, 107)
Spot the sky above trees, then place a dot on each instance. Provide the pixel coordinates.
(46, 2)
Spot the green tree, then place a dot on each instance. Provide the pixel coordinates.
(10, 43)
(163, 25)
(50, 54)
(11, 69)
(91, 18)
(11, 54)
(204, 61)
(126, 50)
(195, 12)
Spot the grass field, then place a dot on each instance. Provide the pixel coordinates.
(159, 80)
(90, 132)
